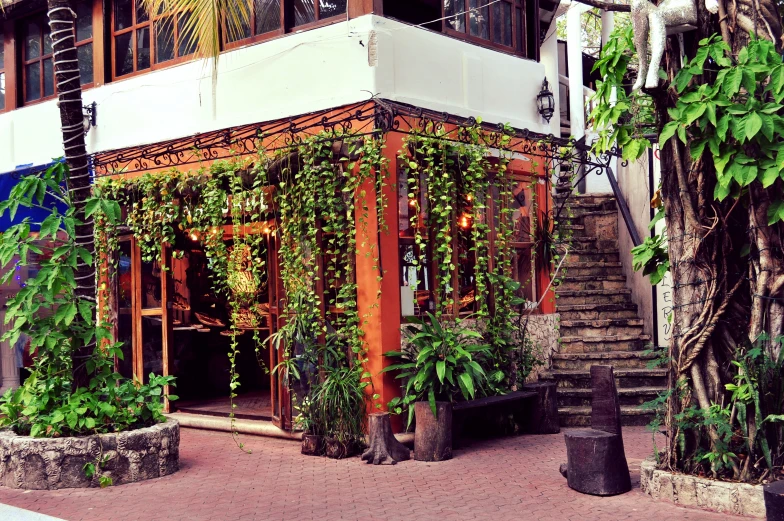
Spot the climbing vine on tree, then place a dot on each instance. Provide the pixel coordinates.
(719, 120)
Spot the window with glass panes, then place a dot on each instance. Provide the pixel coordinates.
(420, 289)
(502, 23)
(140, 43)
(274, 17)
(38, 77)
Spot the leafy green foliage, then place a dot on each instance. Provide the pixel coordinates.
(440, 362)
(448, 181)
(652, 258)
(737, 117)
(57, 321)
(621, 118)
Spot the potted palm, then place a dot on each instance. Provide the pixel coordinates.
(340, 399)
(439, 365)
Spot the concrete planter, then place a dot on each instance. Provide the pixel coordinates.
(53, 463)
(708, 494)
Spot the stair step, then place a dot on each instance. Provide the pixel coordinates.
(587, 282)
(591, 269)
(634, 396)
(617, 359)
(593, 256)
(624, 378)
(593, 296)
(603, 327)
(597, 311)
(583, 344)
(581, 416)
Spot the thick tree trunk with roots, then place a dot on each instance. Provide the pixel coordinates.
(727, 264)
(66, 66)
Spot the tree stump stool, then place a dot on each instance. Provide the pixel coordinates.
(433, 434)
(543, 417)
(774, 501)
(384, 447)
(595, 458)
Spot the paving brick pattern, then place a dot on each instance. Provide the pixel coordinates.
(513, 479)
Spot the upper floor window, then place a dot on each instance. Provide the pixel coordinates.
(501, 23)
(140, 43)
(2, 76)
(37, 56)
(273, 17)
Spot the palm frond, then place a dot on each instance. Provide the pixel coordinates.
(204, 22)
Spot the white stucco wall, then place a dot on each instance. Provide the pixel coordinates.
(313, 70)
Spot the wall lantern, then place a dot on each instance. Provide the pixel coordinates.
(546, 101)
(90, 116)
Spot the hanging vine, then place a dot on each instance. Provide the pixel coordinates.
(304, 197)
(450, 185)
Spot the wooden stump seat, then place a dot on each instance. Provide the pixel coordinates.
(595, 458)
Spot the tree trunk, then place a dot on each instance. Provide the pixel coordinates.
(384, 447)
(66, 67)
(722, 297)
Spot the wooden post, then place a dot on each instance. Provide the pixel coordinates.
(433, 435)
(381, 334)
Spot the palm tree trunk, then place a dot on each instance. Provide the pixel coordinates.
(66, 66)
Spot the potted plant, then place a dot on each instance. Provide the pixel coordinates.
(439, 365)
(341, 400)
(312, 424)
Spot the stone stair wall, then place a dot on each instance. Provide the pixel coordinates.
(599, 322)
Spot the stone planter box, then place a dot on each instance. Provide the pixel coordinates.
(708, 494)
(53, 463)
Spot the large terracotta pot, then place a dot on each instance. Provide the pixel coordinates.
(433, 435)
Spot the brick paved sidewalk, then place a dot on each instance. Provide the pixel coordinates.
(505, 479)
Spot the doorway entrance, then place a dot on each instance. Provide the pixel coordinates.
(172, 322)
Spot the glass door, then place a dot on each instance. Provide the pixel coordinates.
(152, 324)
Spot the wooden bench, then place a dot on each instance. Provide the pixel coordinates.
(492, 414)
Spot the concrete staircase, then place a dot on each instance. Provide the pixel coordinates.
(599, 322)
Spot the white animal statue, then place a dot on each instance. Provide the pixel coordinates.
(655, 20)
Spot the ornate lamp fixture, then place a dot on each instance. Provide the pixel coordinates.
(546, 101)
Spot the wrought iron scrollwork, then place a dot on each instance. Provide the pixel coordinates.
(364, 118)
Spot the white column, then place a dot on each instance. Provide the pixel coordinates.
(549, 58)
(574, 60)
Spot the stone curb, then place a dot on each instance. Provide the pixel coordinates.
(707, 494)
(54, 463)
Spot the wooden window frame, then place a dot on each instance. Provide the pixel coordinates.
(150, 24)
(431, 268)
(286, 24)
(40, 17)
(3, 74)
(23, 62)
(518, 34)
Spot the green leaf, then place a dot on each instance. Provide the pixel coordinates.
(431, 398)
(668, 131)
(65, 313)
(732, 80)
(91, 206)
(753, 125)
(694, 112)
(721, 127)
(468, 382)
(440, 370)
(769, 176)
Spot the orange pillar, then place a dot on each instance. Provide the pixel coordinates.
(378, 291)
